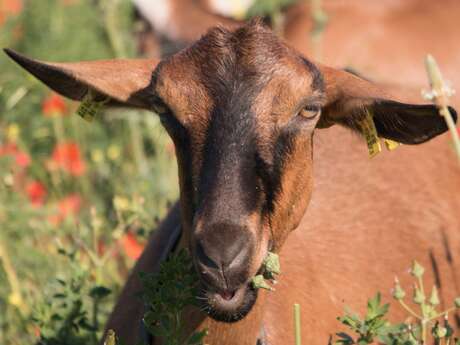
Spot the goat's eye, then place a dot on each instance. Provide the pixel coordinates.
(310, 111)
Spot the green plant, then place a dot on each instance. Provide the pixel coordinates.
(71, 314)
(271, 268)
(374, 327)
(167, 294)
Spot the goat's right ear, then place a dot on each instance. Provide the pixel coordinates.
(124, 81)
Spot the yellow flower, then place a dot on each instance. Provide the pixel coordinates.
(121, 203)
(15, 299)
(8, 180)
(12, 132)
(97, 156)
(113, 152)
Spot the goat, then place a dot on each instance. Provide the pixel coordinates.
(241, 107)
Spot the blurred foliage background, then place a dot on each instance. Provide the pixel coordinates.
(77, 199)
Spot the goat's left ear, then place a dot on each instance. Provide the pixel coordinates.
(348, 97)
(124, 82)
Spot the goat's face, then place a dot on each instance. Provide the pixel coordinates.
(241, 108)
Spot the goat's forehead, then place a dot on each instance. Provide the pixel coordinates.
(242, 62)
(251, 52)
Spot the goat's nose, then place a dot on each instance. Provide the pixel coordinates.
(220, 259)
(223, 250)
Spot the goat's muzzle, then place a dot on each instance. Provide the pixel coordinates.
(222, 255)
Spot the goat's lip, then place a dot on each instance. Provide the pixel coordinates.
(228, 306)
(227, 298)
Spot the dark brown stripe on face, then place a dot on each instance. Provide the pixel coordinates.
(228, 168)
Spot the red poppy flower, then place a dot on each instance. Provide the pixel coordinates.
(37, 331)
(21, 158)
(67, 156)
(54, 105)
(131, 246)
(36, 192)
(68, 207)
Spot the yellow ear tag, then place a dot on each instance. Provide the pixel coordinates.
(391, 144)
(367, 127)
(90, 108)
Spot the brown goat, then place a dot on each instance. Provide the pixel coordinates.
(241, 107)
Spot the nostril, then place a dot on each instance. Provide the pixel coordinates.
(204, 258)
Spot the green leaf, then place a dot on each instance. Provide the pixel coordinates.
(345, 339)
(197, 338)
(99, 292)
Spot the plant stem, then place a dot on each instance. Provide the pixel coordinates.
(424, 322)
(420, 283)
(11, 276)
(109, 9)
(320, 20)
(443, 313)
(409, 310)
(137, 145)
(298, 340)
(58, 130)
(440, 94)
(95, 314)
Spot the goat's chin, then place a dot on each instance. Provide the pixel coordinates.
(232, 310)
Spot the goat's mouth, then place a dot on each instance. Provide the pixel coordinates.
(228, 306)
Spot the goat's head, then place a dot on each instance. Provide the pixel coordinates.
(241, 108)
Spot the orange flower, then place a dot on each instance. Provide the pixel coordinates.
(36, 192)
(21, 158)
(67, 156)
(131, 246)
(54, 105)
(69, 207)
(9, 8)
